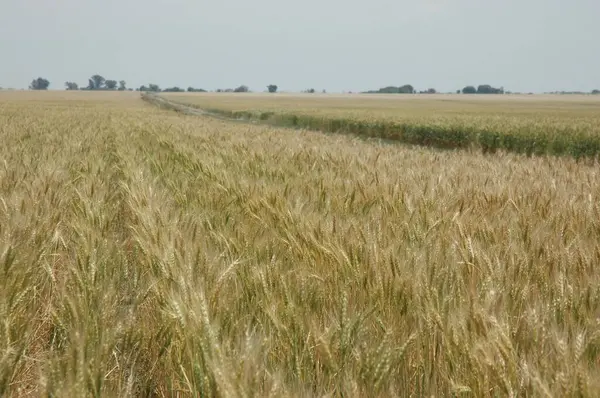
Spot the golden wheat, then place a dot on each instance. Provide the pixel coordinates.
(503, 113)
(550, 124)
(143, 252)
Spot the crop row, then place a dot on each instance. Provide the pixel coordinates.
(542, 139)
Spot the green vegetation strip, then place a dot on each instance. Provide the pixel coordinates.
(579, 145)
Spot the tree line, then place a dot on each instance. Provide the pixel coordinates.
(98, 82)
(481, 89)
(409, 89)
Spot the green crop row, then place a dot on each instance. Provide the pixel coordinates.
(539, 140)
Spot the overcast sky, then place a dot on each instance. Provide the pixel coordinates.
(339, 45)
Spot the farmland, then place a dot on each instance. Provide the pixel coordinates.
(149, 253)
(550, 124)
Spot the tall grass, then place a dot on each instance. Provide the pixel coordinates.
(147, 253)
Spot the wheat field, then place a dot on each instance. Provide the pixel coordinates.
(539, 124)
(523, 108)
(148, 253)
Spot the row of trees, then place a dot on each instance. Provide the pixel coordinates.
(482, 89)
(154, 88)
(240, 89)
(409, 89)
(406, 89)
(593, 92)
(98, 82)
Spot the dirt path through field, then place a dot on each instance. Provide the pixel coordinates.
(188, 110)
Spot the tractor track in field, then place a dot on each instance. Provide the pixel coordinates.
(189, 110)
(164, 103)
(450, 137)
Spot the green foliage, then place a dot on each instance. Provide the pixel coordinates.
(173, 90)
(71, 86)
(195, 90)
(151, 87)
(39, 84)
(96, 82)
(487, 89)
(122, 85)
(272, 88)
(111, 84)
(469, 90)
(406, 89)
(241, 89)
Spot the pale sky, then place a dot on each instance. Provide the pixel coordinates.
(338, 45)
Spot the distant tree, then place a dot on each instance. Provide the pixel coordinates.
(122, 85)
(469, 90)
(457, 91)
(487, 89)
(406, 89)
(310, 91)
(173, 90)
(39, 84)
(324, 91)
(431, 91)
(150, 87)
(71, 86)
(241, 89)
(484, 89)
(195, 90)
(566, 92)
(110, 84)
(272, 88)
(96, 82)
(387, 90)
(596, 92)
